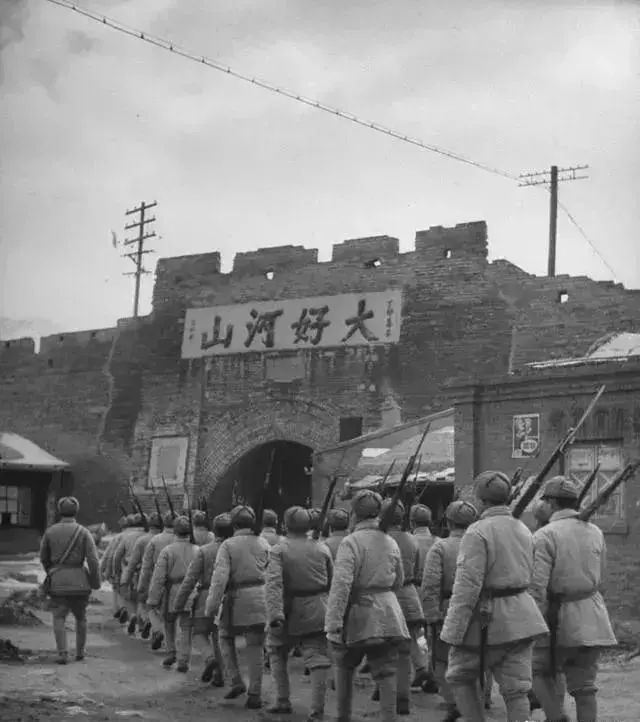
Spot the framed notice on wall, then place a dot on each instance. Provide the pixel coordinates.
(525, 436)
(168, 460)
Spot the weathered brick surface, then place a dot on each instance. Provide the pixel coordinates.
(483, 440)
(97, 398)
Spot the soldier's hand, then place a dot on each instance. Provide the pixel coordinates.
(277, 624)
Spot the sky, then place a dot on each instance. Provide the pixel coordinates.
(92, 122)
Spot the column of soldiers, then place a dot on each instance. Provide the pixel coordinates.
(492, 598)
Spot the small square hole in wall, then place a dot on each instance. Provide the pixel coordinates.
(61, 338)
(50, 363)
(563, 297)
(447, 253)
(7, 344)
(373, 263)
(269, 275)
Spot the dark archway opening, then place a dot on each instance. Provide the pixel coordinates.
(289, 483)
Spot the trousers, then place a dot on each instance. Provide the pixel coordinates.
(60, 607)
(254, 638)
(315, 653)
(203, 635)
(177, 636)
(580, 668)
(440, 671)
(511, 667)
(383, 661)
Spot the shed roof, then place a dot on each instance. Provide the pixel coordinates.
(17, 453)
(619, 347)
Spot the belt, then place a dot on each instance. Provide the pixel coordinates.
(362, 591)
(557, 598)
(246, 585)
(504, 592)
(301, 593)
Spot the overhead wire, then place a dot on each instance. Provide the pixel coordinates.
(279, 90)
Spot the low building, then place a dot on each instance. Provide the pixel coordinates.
(31, 480)
(516, 421)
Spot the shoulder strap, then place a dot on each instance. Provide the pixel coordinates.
(70, 545)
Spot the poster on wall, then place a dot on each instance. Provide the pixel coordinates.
(168, 460)
(526, 436)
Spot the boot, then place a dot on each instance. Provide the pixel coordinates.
(375, 695)
(118, 612)
(344, 693)
(235, 691)
(146, 630)
(469, 701)
(209, 668)
(282, 706)
(297, 652)
(318, 693)
(402, 706)
(183, 667)
(217, 680)
(156, 640)
(306, 672)
(62, 658)
(81, 639)
(533, 701)
(124, 616)
(452, 714)
(420, 678)
(131, 628)
(586, 707)
(388, 687)
(429, 685)
(169, 660)
(253, 702)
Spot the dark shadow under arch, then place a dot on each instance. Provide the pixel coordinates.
(244, 481)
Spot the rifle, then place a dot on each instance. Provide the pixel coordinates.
(325, 508)
(411, 495)
(604, 495)
(205, 509)
(166, 491)
(386, 476)
(260, 505)
(192, 537)
(155, 499)
(519, 480)
(588, 484)
(523, 502)
(136, 501)
(385, 521)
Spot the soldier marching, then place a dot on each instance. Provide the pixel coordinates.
(492, 596)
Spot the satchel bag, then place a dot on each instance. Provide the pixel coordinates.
(46, 584)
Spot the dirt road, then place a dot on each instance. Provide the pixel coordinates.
(122, 678)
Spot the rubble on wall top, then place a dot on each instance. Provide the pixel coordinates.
(617, 348)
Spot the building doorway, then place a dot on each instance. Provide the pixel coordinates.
(289, 483)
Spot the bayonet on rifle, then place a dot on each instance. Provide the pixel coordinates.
(192, 537)
(605, 494)
(169, 502)
(588, 484)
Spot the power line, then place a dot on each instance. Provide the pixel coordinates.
(202, 60)
(266, 85)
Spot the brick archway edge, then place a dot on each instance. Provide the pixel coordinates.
(233, 435)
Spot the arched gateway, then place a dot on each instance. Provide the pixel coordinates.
(236, 452)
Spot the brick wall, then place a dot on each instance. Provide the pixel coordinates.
(483, 440)
(97, 398)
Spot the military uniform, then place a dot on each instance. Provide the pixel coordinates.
(363, 612)
(338, 520)
(237, 592)
(298, 581)
(105, 565)
(491, 611)
(168, 574)
(411, 608)
(435, 591)
(131, 575)
(269, 531)
(569, 567)
(149, 560)
(64, 550)
(203, 630)
(121, 559)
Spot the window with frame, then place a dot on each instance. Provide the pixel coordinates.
(580, 462)
(15, 505)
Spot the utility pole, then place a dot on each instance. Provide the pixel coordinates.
(137, 255)
(551, 178)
